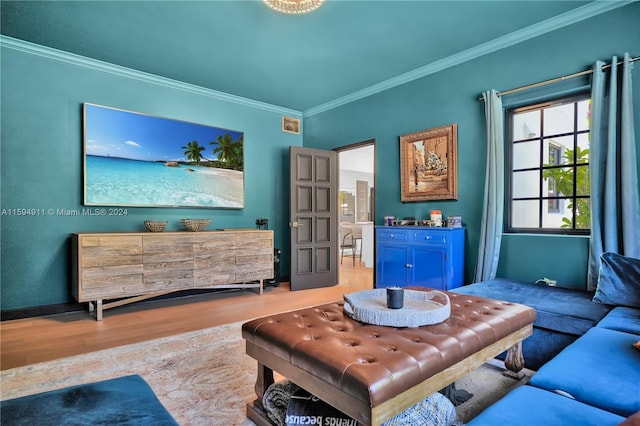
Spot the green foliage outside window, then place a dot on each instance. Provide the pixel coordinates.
(563, 177)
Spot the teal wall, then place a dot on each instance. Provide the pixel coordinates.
(41, 151)
(41, 165)
(451, 96)
(530, 257)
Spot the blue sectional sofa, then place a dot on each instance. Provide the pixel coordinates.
(593, 380)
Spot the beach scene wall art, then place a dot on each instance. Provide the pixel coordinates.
(134, 159)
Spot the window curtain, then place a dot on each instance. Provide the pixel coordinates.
(615, 199)
(492, 214)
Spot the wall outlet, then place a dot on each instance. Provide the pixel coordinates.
(547, 281)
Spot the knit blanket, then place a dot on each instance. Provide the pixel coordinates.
(434, 410)
(276, 400)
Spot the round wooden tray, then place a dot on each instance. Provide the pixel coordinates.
(420, 308)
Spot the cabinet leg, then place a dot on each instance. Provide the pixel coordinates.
(99, 310)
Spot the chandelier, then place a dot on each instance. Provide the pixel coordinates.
(294, 6)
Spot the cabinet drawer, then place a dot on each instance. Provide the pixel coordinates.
(105, 251)
(399, 235)
(430, 237)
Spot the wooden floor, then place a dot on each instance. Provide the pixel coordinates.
(31, 340)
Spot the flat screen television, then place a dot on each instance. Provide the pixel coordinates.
(135, 159)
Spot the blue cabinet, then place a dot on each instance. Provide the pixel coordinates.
(419, 256)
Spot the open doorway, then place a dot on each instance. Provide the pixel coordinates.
(356, 205)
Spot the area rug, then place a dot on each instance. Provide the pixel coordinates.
(202, 377)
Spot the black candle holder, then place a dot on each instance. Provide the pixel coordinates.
(395, 297)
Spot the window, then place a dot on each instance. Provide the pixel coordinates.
(548, 152)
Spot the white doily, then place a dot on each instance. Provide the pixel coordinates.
(420, 308)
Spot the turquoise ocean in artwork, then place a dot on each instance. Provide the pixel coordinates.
(119, 181)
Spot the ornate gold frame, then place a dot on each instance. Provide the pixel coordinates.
(429, 164)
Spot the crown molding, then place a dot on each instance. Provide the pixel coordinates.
(71, 58)
(581, 13)
(571, 17)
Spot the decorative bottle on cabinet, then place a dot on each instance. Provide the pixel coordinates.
(419, 256)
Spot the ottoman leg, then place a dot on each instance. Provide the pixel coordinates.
(255, 409)
(514, 360)
(263, 381)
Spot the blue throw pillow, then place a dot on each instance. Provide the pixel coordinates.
(618, 281)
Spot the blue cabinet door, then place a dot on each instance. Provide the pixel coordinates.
(391, 265)
(429, 267)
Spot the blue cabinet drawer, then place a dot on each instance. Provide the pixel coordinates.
(399, 235)
(431, 237)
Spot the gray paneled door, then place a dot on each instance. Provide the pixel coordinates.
(313, 213)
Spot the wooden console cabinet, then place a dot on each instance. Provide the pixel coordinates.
(136, 266)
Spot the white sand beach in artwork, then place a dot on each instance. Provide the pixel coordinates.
(116, 181)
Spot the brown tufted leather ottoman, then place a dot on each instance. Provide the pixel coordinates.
(373, 372)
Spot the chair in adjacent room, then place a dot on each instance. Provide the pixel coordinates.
(351, 239)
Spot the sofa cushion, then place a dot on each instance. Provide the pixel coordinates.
(559, 309)
(601, 368)
(622, 319)
(618, 281)
(528, 405)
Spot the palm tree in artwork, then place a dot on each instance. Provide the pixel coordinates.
(193, 151)
(229, 151)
